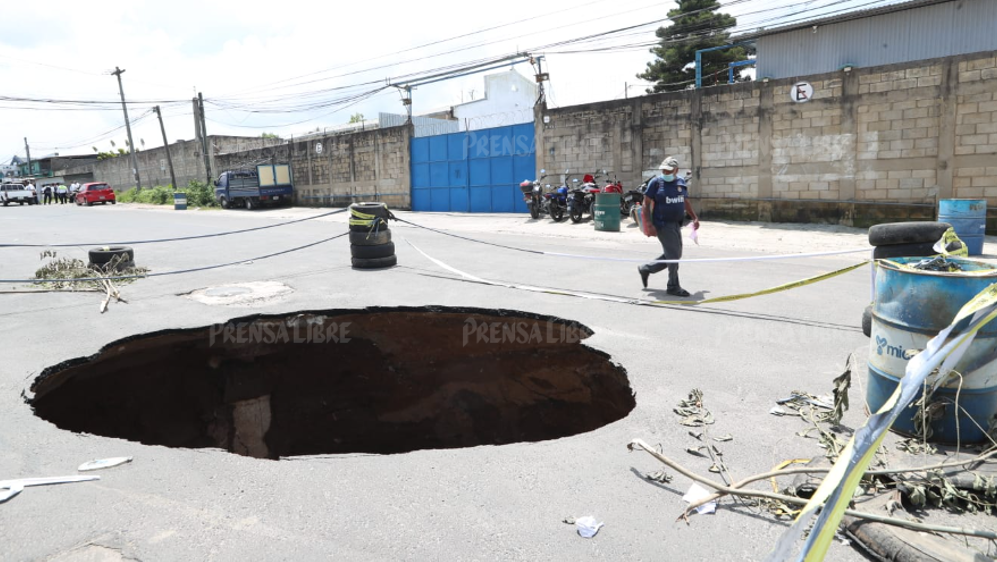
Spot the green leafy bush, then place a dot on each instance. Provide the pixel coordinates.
(199, 194)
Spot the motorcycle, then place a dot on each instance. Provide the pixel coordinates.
(626, 201)
(533, 195)
(632, 198)
(582, 199)
(557, 200)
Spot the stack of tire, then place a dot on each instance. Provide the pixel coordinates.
(112, 258)
(902, 240)
(370, 238)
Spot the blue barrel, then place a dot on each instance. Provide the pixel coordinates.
(179, 201)
(969, 219)
(911, 307)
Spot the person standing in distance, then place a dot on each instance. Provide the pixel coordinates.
(668, 197)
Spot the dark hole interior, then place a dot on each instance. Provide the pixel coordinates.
(281, 386)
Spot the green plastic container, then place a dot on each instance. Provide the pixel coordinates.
(606, 215)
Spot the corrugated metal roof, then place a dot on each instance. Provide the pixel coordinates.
(848, 16)
(934, 30)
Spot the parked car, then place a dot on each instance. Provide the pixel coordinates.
(16, 193)
(95, 192)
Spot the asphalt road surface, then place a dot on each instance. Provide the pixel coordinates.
(503, 502)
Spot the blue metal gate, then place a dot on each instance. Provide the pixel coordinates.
(474, 171)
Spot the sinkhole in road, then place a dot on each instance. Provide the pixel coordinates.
(377, 380)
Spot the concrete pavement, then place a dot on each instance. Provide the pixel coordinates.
(481, 503)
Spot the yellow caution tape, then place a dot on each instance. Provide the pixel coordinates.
(769, 291)
(951, 245)
(942, 352)
(610, 298)
(364, 219)
(782, 465)
(360, 215)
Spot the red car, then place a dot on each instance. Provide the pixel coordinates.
(95, 192)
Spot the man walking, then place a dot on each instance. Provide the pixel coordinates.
(668, 197)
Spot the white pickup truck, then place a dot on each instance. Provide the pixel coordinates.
(16, 193)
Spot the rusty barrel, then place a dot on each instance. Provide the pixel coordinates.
(911, 307)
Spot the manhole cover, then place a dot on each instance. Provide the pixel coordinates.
(375, 381)
(227, 291)
(257, 293)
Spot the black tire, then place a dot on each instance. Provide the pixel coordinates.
(371, 252)
(101, 256)
(625, 208)
(376, 209)
(534, 210)
(375, 263)
(223, 202)
(115, 202)
(867, 321)
(914, 232)
(380, 225)
(371, 239)
(575, 214)
(922, 249)
(557, 213)
(249, 204)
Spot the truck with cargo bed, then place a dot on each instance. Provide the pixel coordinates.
(266, 185)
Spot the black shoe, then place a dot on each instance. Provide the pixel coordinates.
(643, 276)
(678, 292)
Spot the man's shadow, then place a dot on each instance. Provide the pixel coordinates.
(662, 295)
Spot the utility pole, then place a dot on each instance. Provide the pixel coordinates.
(197, 124)
(28, 150)
(541, 76)
(128, 127)
(204, 137)
(166, 146)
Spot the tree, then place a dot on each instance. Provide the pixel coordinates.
(696, 25)
(270, 136)
(356, 118)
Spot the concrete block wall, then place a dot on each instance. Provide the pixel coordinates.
(153, 166)
(729, 139)
(591, 139)
(871, 144)
(976, 130)
(364, 165)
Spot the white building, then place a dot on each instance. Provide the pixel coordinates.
(509, 99)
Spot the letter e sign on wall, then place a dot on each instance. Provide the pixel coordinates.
(801, 92)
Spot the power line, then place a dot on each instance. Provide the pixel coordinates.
(438, 42)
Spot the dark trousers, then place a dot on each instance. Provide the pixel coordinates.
(670, 236)
(48, 198)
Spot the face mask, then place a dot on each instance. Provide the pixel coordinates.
(668, 177)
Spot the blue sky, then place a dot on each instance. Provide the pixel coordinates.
(256, 54)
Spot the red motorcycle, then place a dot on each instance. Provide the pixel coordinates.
(615, 186)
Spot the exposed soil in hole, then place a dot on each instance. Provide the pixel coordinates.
(376, 380)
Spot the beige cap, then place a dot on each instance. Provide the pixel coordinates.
(669, 163)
